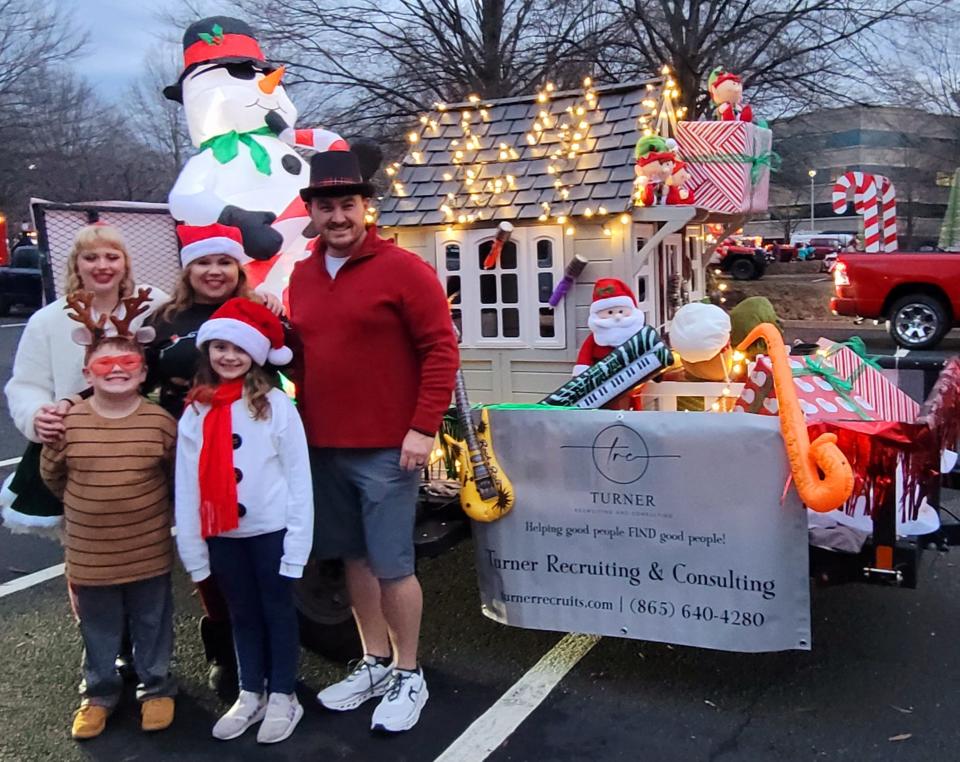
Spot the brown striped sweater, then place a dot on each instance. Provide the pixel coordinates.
(113, 475)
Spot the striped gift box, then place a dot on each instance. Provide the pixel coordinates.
(889, 403)
(729, 163)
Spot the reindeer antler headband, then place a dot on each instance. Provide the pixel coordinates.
(92, 332)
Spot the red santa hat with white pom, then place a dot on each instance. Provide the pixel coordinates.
(210, 240)
(250, 326)
(610, 292)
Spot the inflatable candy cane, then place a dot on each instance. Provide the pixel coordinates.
(865, 202)
(888, 213)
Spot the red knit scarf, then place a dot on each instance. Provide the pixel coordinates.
(218, 484)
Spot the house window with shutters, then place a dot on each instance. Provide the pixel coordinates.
(503, 303)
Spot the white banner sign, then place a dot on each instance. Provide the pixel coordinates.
(654, 526)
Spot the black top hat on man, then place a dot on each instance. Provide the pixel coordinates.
(336, 173)
(220, 40)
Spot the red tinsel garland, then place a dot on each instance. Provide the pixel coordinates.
(876, 448)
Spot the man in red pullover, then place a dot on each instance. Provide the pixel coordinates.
(379, 362)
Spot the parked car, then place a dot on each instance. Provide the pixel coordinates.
(829, 262)
(742, 261)
(917, 293)
(21, 284)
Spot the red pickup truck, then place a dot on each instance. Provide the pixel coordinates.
(917, 293)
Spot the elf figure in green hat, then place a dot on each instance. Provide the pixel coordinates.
(726, 92)
(655, 158)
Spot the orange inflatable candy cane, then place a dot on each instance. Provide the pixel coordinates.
(807, 459)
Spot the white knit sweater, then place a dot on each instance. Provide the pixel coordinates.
(49, 365)
(274, 487)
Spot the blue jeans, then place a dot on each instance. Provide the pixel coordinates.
(144, 609)
(262, 614)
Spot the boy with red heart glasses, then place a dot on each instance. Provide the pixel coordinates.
(112, 470)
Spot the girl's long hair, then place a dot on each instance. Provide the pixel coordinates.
(89, 237)
(256, 386)
(184, 297)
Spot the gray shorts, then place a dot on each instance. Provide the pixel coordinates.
(365, 508)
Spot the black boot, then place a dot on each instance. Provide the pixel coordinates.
(218, 647)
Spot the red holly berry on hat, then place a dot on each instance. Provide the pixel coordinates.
(198, 241)
(250, 326)
(614, 318)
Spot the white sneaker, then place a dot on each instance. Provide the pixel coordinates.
(367, 680)
(247, 710)
(402, 703)
(283, 714)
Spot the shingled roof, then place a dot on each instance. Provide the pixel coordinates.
(602, 176)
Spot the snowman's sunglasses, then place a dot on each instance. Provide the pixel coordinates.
(244, 70)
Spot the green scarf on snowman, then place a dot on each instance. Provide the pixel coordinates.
(226, 147)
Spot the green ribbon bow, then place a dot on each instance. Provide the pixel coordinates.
(226, 147)
(856, 345)
(843, 387)
(769, 159)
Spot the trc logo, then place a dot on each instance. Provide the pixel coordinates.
(620, 454)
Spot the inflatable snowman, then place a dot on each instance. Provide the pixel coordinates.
(245, 173)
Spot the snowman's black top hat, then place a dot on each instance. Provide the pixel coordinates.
(336, 173)
(217, 39)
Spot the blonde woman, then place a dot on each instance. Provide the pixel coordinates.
(48, 367)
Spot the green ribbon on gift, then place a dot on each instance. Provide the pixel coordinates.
(828, 373)
(226, 147)
(767, 160)
(856, 345)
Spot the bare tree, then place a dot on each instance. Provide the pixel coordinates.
(159, 122)
(790, 52)
(924, 71)
(376, 60)
(34, 36)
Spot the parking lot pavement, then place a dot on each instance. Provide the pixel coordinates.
(882, 667)
(468, 660)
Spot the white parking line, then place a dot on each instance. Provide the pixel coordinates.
(496, 725)
(13, 325)
(29, 580)
(901, 352)
(10, 461)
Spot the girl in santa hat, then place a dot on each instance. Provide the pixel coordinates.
(244, 508)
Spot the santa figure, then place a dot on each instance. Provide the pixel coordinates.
(726, 92)
(614, 318)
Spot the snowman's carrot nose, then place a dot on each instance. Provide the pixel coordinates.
(269, 83)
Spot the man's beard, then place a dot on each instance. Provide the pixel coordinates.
(609, 332)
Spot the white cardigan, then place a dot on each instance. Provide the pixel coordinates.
(274, 487)
(49, 365)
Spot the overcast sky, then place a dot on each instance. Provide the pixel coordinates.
(121, 34)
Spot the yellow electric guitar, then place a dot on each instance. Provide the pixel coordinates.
(485, 492)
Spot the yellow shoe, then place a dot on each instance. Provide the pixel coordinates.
(156, 714)
(89, 721)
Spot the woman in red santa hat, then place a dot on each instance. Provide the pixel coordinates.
(614, 318)
(212, 259)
